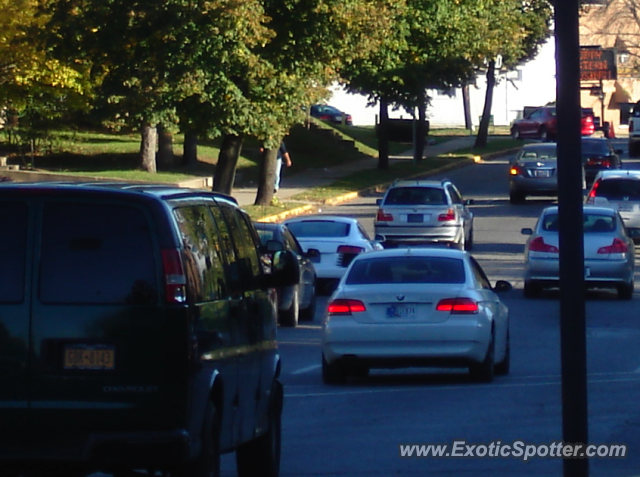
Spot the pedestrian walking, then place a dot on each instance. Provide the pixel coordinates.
(282, 159)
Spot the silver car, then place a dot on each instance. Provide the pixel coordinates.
(533, 171)
(609, 253)
(420, 212)
(619, 190)
(412, 307)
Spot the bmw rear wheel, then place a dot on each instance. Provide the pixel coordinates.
(483, 372)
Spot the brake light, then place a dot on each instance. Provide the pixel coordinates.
(618, 246)
(593, 191)
(538, 245)
(350, 249)
(450, 215)
(516, 171)
(458, 306)
(343, 306)
(599, 162)
(174, 278)
(383, 217)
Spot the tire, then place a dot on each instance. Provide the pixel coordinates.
(516, 197)
(544, 135)
(468, 245)
(333, 373)
(515, 133)
(503, 367)
(484, 372)
(532, 289)
(261, 456)
(289, 318)
(207, 464)
(309, 313)
(359, 372)
(625, 292)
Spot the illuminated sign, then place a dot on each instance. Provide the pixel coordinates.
(597, 64)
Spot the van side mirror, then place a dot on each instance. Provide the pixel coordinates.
(527, 231)
(285, 270)
(502, 286)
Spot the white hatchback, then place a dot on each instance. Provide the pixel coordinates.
(415, 307)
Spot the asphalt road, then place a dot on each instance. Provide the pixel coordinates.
(355, 430)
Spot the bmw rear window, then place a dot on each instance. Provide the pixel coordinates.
(404, 270)
(415, 196)
(319, 228)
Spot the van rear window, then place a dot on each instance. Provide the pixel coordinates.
(13, 251)
(96, 253)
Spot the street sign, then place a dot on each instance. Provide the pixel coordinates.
(597, 64)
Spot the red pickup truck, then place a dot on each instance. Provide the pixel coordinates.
(541, 123)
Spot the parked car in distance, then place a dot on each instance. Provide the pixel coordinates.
(541, 123)
(339, 240)
(295, 301)
(609, 252)
(419, 212)
(325, 112)
(533, 172)
(415, 307)
(137, 332)
(621, 191)
(634, 131)
(599, 155)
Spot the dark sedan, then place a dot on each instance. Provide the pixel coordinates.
(599, 155)
(297, 301)
(331, 114)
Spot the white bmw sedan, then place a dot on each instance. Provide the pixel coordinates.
(415, 307)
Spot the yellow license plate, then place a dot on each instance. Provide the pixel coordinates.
(89, 357)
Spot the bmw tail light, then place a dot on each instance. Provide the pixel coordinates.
(538, 245)
(175, 280)
(343, 306)
(350, 249)
(449, 215)
(382, 216)
(618, 246)
(458, 306)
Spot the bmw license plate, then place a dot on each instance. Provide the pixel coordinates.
(415, 218)
(89, 357)
(401, 311)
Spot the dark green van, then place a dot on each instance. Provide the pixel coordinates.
(137, 331)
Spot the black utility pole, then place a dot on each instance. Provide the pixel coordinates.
(572, 294)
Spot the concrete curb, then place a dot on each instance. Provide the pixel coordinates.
(309, 209)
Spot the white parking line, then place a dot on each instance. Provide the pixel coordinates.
(308, 369)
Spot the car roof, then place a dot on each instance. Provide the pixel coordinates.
(619, 174)
(418, 183)
(593, 209)
(269, 225)
(540, 145)
(322, 217)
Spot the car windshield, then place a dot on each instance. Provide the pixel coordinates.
(319, 228)
(408, 269)
(591, 223)
(539, 154)
(595, 147)
(415, 196)
(619, 189)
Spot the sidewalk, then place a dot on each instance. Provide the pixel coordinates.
(292, 185)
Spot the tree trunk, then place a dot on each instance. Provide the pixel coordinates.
(148, 146)
(227, 162)
(165, 159)
(266, 177)
(466, 104)
(383, 135)
(483, 130)
(190, 149)
(421, 130)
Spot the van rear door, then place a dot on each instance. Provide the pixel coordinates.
(14, 327)
(109, 356)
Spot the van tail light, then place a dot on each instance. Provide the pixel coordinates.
(449, 215)
(383, 217)
(350, 249)
(175, 280)
(618, 246)
(458, 306)
(538, 245)
(343, 306)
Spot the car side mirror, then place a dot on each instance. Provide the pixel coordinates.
(312, 253)
(285, 270)
(378, 202)
(274, 246)
(380, 238)
(502, 286)
(527, 231)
